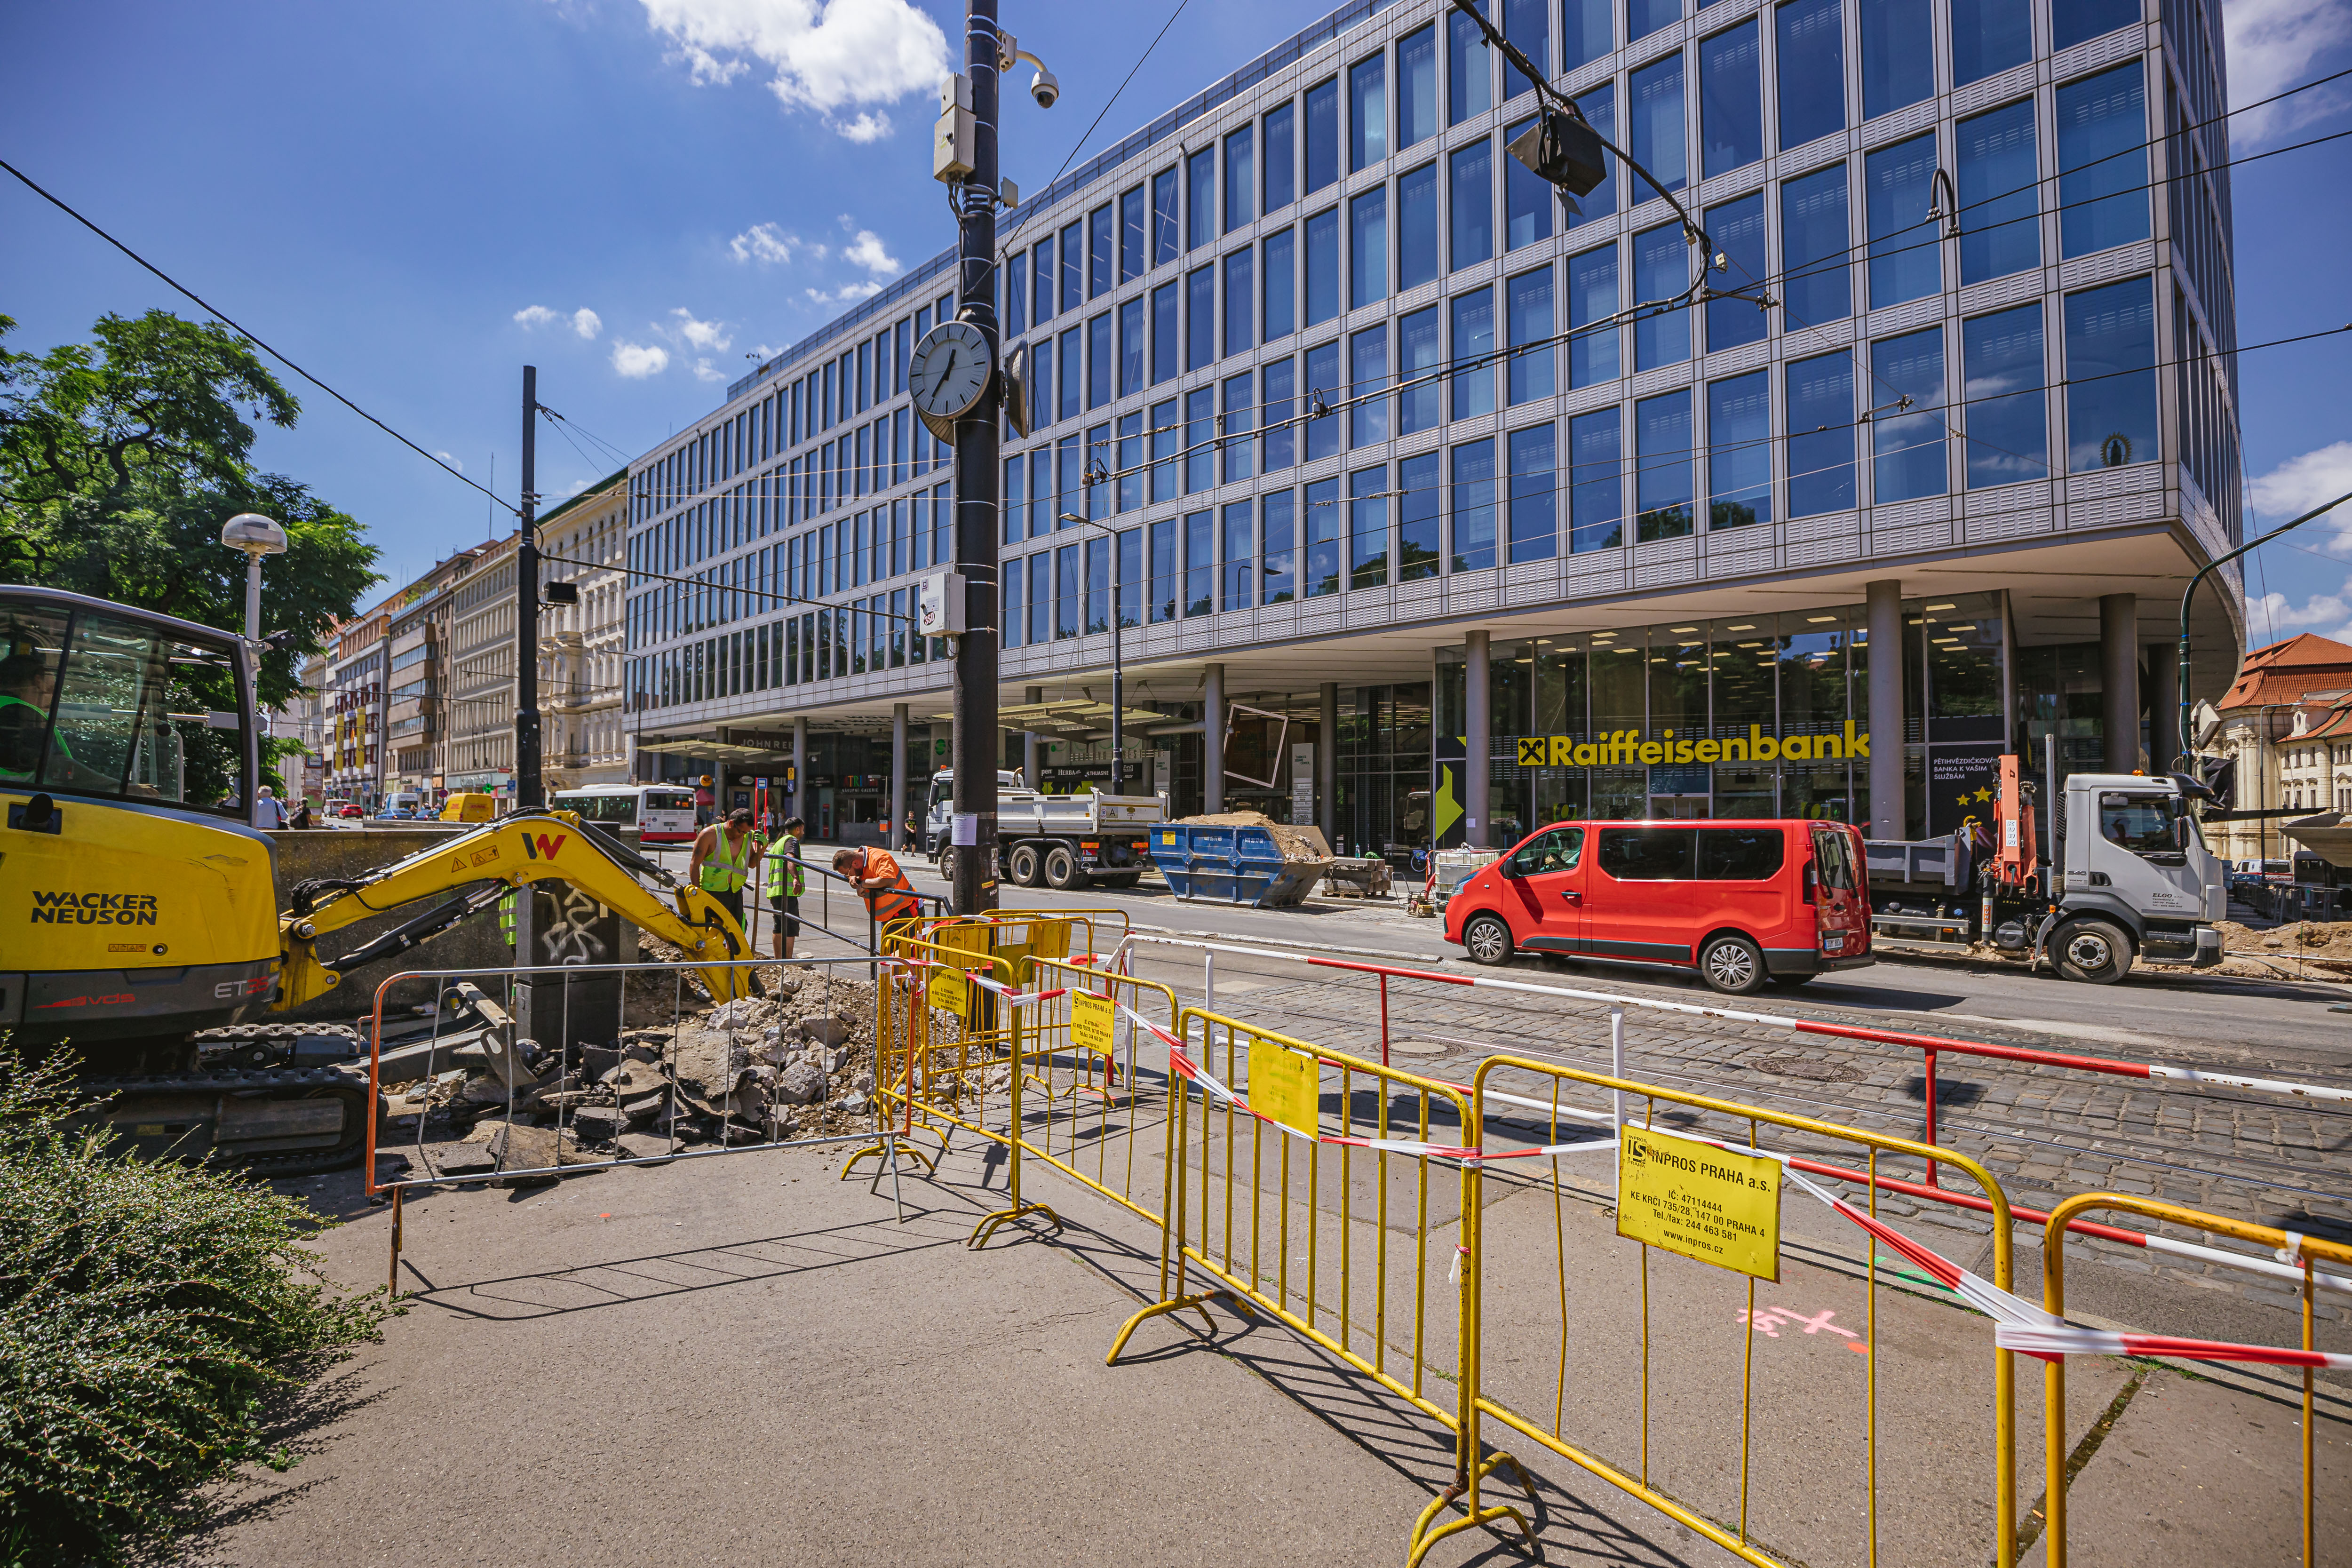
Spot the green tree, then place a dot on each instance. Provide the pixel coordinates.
(120, 458)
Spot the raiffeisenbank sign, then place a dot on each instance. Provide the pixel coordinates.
(1628, 747)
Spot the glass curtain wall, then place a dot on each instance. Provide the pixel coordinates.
(1759, 715)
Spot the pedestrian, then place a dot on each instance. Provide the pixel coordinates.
(302, 813)
(873, 874)
(785, 883)
(269, 812)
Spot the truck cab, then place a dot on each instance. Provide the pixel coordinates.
(2131, 858)
(940, 806)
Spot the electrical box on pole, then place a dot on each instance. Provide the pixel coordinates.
(939, 601)
(954, 139)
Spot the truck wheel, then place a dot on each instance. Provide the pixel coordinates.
(2092, 950)
(1062, 872)
(1487, 940)
(1024, 865)
(1732, 964)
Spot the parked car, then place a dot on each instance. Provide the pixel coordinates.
(1743, 902)
(346, 808)
(396, 814)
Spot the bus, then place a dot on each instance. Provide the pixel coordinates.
(664, 812)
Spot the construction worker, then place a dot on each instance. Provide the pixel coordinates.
(874, 875)
(724, 857)
(785, 883)
(27, 685)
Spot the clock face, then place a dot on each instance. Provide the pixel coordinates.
(951, 369)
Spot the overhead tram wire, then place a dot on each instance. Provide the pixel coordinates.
(39, 189)
(1021, 216)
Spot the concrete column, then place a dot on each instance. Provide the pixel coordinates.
(2119, 680)
(897, 839)
(1029, 741)
(804, 801)
(1326, 764)
(1887, 813)
(2164, 710)
(1212, 738)
(1477, 724)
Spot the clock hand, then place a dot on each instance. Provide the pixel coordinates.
(947, 370)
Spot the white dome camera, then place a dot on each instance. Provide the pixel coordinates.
(1045, 87)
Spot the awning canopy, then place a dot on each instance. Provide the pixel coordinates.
(1071, 718)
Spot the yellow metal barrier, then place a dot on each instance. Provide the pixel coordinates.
(1728, 1126)
(1077, 1051)
(2056, 1453)
(922, 1081)
(1296, 1094)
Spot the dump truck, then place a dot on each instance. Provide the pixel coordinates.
(2128, 876)
(140, 905)
(1072, 841)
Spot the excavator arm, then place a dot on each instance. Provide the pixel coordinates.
(531, 846)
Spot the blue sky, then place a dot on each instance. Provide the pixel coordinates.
(415, 199)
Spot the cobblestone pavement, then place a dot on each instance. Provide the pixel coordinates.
(2045, 1132)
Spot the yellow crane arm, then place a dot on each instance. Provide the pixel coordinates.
(532, 847)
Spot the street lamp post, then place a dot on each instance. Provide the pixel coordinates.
(257, 536)
(1117, 671)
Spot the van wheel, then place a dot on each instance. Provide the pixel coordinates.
(1487, 940)
(1024, 865)
(1732, 964)
(1063, 871)
(2093, 950)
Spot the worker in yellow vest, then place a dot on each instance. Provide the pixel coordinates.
(785, 883)
(725, 855)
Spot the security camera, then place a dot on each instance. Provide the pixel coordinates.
(1044, 88)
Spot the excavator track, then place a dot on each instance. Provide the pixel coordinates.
(268, 1121)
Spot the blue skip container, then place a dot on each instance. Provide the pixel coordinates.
(1231, 865)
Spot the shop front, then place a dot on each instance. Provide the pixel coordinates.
(1752, 716)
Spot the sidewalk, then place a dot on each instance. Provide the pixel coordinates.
(671, 1363)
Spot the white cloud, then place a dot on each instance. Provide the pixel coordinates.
(2274, 44)
(764, 242)
(709, 336)
(842, 56)
(587, 324)
(847, 294)
(867, 251)
(451, 461)
(2297, 485)
(532, 317)
(704, 371)
(638, 362)
(764, 351)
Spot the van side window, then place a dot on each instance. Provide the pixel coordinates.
(1647, 854)
(1833, 856)
(1740, 854)
(1558, 849)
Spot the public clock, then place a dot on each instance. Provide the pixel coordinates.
(951, 373)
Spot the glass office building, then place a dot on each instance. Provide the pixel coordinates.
(1361, 407)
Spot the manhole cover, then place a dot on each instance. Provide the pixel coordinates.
(1806, 1066)
(1417, 1048)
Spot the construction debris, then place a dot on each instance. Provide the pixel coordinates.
(797, 1062)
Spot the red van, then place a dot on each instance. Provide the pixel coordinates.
(1742, 902)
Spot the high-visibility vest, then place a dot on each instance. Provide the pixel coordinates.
(33, 757)
(785, 869)
(897, 901)
(725, 868)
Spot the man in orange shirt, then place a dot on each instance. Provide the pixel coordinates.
(874, 874)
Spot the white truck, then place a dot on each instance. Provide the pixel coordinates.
(1060, 841)
(2129, 876)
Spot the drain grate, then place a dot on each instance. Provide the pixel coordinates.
(1809, 1067)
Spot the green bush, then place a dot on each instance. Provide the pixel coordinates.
(150, 1316)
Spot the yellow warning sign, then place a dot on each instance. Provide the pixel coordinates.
(1090, 1022)
(1282, 1084)
(1700, 1201)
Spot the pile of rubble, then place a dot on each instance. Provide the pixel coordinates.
(796, 1063)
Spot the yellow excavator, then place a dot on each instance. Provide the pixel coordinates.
(139, 917)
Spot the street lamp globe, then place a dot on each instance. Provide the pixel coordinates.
(254, 533)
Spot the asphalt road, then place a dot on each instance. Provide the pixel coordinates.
(2209, 1020)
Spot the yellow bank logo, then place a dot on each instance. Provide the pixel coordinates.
(1629, 748)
